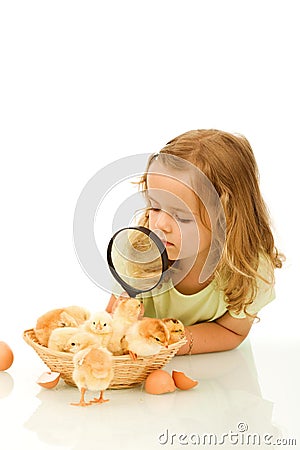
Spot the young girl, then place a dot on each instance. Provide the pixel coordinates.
(220, 281)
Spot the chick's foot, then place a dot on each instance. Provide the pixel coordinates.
(100, 399)
(81, 402)
(132, 355)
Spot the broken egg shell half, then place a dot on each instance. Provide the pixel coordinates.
(159, 382)
(48, 380)
(182, 381)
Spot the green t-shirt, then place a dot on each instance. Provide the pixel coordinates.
(206, 305)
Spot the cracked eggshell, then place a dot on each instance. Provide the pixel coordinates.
(48, 380)
(182, 381)
(159, 382)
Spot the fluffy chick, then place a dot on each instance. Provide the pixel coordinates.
(100, 324)
(176, 329)
(145, 337)
(93, 370)
(59, 338)
(80, 341)
(125, 314)
(71, 316)
(78, 313)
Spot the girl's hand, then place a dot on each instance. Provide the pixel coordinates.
(111, 304)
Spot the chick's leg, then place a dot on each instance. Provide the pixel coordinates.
(81, 402)
(100, 399)
(132, 355)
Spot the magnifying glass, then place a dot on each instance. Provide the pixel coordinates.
(137, 259)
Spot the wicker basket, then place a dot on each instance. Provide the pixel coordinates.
(127, 373)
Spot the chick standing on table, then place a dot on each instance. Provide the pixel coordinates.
(93, 370)
(100, 324)
(126, 313)
(145, 338)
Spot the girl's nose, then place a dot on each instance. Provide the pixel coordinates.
(163, 221)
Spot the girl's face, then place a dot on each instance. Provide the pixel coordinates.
(175, 216)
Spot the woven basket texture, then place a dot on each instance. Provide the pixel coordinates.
(127, 373)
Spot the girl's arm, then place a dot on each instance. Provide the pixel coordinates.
(225, 333)
(113, 301)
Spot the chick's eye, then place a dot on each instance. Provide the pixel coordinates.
(73, 344)
(63, 324)
(104, 324)
(94, 323)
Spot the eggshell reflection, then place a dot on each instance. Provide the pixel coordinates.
(159, 382)
(182, 381)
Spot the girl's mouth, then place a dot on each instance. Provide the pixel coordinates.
(167, 244)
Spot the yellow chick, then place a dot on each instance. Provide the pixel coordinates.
(59, 338)
(80, 341)
(176, 329)
(71, 316)
(78, 313)
(93, 370)
(125, 314)
(145, 337)
(100, 324)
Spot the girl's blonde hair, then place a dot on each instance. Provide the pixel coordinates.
(228, 162)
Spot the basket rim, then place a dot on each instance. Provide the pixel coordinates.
(30, 331)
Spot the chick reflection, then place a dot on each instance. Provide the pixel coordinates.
(55, 422)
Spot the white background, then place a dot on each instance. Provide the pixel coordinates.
(85, 83)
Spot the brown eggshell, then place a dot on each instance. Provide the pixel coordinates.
(159, 382)
(182, 381)
(48, 380)
(6, 356)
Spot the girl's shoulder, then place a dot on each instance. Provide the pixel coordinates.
(265, 270)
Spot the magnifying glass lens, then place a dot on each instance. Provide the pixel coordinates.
(137, 259)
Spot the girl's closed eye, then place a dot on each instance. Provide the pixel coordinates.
(174, 215)
(182, 220)
(155, 207)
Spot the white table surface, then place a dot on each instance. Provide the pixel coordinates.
(255, 386)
